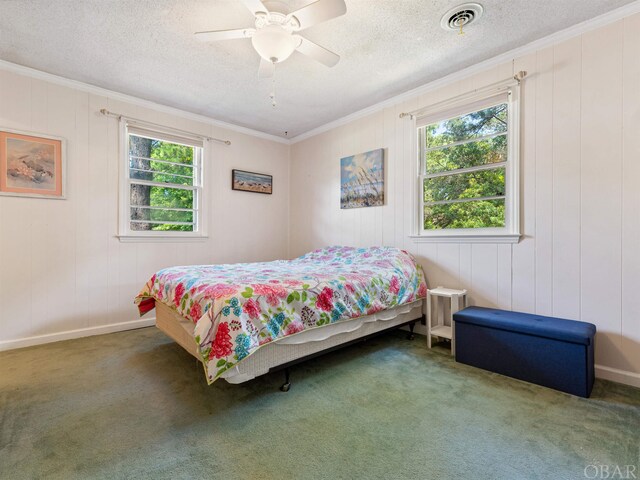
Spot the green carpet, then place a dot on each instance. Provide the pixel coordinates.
(135, 405)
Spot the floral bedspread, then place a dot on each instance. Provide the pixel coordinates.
(238, 308)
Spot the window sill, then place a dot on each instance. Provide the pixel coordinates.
(470, 238)
(160, 239)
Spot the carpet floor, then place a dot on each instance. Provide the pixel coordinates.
(135, 405)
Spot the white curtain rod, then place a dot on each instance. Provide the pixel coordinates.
(497, 87)
(119, 116)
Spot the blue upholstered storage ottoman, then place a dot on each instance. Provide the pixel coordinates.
(548, 351)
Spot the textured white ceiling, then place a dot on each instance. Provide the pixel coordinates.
(146, 48)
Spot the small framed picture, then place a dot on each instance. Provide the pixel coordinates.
(251, 182)
(31, 165)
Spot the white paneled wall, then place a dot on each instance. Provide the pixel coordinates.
(579, 256)
(63, 272)
(61, 267)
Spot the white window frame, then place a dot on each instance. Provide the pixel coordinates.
(128, 126)
(465, 104)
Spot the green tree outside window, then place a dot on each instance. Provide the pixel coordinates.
(473, 148)
(167, 163)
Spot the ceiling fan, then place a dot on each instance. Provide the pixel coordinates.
(274, 35)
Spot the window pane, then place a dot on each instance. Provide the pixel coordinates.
(163, 197)
(473, 214)
(165, 215)
(164, 228)
(481, 152)
(482, 183)
(472, 125)
(174, 162)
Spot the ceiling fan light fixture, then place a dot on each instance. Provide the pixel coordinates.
(273, 36)
(274, 43)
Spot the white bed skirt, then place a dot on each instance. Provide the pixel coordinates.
(315, 340)
(293, 347)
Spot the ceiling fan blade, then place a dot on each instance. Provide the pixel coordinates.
(255, 6)
(319, 11)
(266, 68)
(215, 35)
(318, 53)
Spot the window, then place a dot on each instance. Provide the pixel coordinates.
(161, 189)
(468, 171)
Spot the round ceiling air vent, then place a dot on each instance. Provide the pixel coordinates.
(461, 16)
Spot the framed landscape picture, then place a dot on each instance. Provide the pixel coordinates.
(31, 165)
(362, 180)
(251, 182)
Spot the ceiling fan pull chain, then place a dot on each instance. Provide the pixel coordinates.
(272, 95)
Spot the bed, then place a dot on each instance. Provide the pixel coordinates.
(244, 320)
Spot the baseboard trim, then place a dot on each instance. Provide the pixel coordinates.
(606, 373)
(78, 333)
(620, 376)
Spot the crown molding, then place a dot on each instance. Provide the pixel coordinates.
(93, 89)
(554, 38)
(549, 40)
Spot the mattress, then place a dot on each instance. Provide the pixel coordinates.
(238, 309)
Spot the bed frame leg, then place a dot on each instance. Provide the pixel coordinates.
(411, 336)
(287, 384)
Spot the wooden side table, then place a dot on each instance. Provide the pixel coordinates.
(441, 299)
